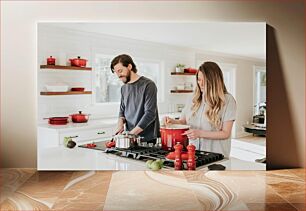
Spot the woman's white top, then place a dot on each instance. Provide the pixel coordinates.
(200, 121)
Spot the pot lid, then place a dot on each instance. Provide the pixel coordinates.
(79, 114)
(78, 58)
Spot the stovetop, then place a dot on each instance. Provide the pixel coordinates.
(153, 153)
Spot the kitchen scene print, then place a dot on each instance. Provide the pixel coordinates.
(187, 96)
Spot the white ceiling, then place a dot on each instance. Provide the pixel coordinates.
(246, 39)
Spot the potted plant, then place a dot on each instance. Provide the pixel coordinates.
(179, 68)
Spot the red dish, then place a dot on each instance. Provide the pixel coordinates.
(91, 145)
(110, 144)
(57, 120)
(77, 89)
(171, 156)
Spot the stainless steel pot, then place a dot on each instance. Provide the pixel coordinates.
(126, 140)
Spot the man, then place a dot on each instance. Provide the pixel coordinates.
(138, 106)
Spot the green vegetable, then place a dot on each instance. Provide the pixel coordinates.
(155, 166)
(66, 140)
(160, 162)
(148, 163)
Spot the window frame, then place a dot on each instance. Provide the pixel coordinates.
(257, 69)
(160, 84)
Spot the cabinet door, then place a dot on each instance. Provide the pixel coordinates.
(87, 135)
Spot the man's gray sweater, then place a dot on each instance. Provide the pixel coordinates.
(139, 107)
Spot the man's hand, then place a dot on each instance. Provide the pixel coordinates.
(136, 130)
(120, 127)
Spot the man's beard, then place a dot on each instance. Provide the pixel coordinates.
(127, 78)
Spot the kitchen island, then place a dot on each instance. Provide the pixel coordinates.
(62, 158)
(52, 155)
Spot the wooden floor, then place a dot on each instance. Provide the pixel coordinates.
(28, 189)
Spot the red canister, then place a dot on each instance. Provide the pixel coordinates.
(50, 61)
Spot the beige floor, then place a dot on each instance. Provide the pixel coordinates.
(27, 189)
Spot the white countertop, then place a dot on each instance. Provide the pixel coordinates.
(98, 123)
(61, 158)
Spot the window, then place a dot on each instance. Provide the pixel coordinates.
(259, 88)
(107, 84)
(229, 71)
(152, 70)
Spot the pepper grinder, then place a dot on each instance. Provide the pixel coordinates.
(178, 159)
(191, 165)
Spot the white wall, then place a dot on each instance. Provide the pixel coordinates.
(61, 42)
(19, 66)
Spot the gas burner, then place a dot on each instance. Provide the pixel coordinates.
(153, 153)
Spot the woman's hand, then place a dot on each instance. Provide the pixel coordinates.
(194, 134)
(167, 120)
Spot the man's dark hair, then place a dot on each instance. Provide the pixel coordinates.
(125, 60)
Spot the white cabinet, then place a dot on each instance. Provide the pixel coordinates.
(52, 136)
(86, 135)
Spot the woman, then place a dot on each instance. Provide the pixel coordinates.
(211, 113)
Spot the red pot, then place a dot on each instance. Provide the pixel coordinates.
(172, 134)
(79, 118)
(50, 61)
(190, 70)
(78, 62)
(57, 120)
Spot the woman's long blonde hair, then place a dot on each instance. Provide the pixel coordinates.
(214, 93)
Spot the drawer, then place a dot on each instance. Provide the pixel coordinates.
(87, 135)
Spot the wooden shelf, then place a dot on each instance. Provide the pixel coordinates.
(67, 93)
(175, 73)
(181, 91)
(61, 67)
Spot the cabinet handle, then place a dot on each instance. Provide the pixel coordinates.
(99, 133)
(71, 136)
